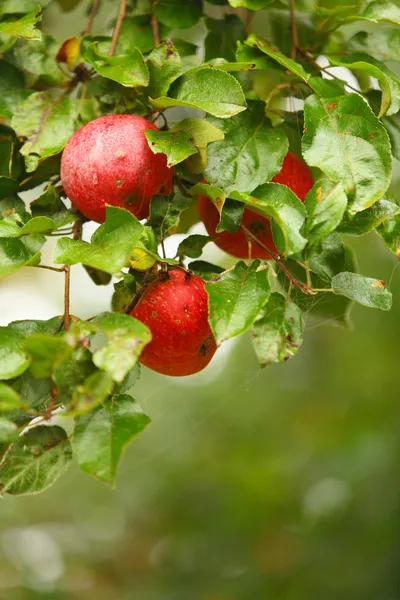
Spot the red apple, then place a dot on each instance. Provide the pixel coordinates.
(108, 161)
(176, 311)
(295, 175)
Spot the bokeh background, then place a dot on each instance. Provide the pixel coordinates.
(276, 484)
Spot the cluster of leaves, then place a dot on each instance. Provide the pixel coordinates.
(258, 97)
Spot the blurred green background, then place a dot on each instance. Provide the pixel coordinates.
(276, 484)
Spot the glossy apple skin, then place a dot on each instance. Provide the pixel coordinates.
(176, 311)
(108, 161)
(295, 175)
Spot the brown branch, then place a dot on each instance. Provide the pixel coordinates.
(295, 37)
(292, 279)
(117, 28)
(58, 270)
(155, 27)
(67, 286)
(92, 15)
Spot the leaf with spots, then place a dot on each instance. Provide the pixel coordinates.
(176, 145)
(325, 204)
(164, 64)
(384, 212)
(47, 124)
(364, 290)
(344, 138)
(278, 334)
(251, 153)
(236, 298)
(35, 460)
(165, 213)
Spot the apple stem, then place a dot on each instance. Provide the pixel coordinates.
(117, 28)
(292, 279)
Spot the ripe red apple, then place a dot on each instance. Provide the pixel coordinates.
(295, 175)
(176, 311)
(108, 161)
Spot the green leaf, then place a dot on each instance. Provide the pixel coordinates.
(392, 126)
(330, 260)
(46, 123)
(389, 231)
(389, 83)
(250, 4)
(202, 133)
(126, 338)
(325, 204)
(25, 26)
(381, 42)
(176, 145)
(164, 64)
(128, 69)
(13, 206)
(98, 277)
(101, 436)
(278, 334)
(178, 14)
(231, 211)
(368, 292)
(29, 326)
(256, 42)
(17, 253)
(35, 393)
(208, 89)
(38, 59)
(251, 153)
(13, 358)
(8, 431)
(287, 212)
(94, 390)
(110, 246)
(35, 461)
(193, 245)
(223, 35)
(12, 92)
(9, 399)
(8, 187)
(205, 269)
(348, 143)
(369, 219)
(33, 226)
(380, 10)
(49, 205)
(46, 353)
(165, 213)
(236, 299)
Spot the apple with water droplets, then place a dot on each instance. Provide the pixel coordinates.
(174, 306)
(108, 161)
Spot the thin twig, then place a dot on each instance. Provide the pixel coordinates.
(117, 28)
(292, 279)
(295, 37)
(59, 270)
(155, 27)
(92, 15)
(312, 62)
(67, 285)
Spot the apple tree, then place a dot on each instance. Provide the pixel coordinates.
(181, 111)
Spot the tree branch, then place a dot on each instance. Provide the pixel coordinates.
(117, 28)
(155, 27)
(92, 15)
(293, 280)
(295, 37)
(67, 286)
